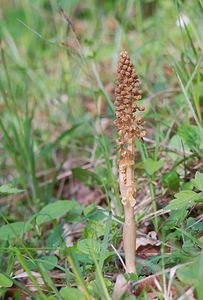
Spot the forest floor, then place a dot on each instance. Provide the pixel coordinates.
(61, 215)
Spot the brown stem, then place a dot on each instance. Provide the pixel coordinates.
(127, 188)
(129, 238)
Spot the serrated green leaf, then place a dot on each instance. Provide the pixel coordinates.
(8, 189)
(152, 166)
(184, 199)
(69, 293)
(13, 230)
(96, 229)
(177, 216)
(89, 246)
(198, 181)
(54, 210)
(5, 281)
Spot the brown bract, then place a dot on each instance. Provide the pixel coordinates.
(128, 93)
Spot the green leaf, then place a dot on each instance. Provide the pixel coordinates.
(198, 181)
(8, 189)
(97, 215)
(48, 262)
(191, 135)
(178, 144)
(95, 229)
(193, 273)
(54, 210)
(90, 208)
(188, 185)
(13, 230)
(5, 281)
(171, 180)
(54, 237)
(177, 216)
(89, 246)
(152, 166)
(184, 199)
(69, 293)
(190, 236)
(186, 275)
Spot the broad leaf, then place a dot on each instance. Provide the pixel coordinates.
(54, 210)
(193, 273)
(48, 262)
(13, 230)
(184, 199)
(152, 166)
(69, 293)
(171, 180)
(5, 281)
(8, 189)
(89, 246)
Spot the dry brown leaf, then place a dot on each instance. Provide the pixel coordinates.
(150, 239)
(29, 283)
(148, 284)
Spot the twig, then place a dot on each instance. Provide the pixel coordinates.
(67, 19)
(121, 260)
(168, 270)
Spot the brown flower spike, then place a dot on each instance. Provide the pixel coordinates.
(130, 125)
(127, 92)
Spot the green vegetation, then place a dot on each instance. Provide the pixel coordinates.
(61, 217)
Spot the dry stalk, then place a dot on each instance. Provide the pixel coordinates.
(129, 126)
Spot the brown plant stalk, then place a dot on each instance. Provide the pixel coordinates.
(129, 126)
